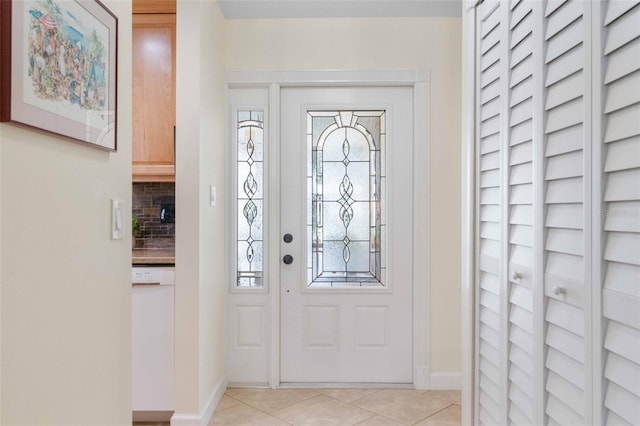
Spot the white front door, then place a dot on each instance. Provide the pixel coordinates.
(347, 207)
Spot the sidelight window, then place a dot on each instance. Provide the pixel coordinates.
(250, 198)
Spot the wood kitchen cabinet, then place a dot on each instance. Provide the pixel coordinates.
(154, 101)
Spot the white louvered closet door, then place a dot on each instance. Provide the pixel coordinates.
(558, 245)
(566, 270)
(520, 91)
(490, 327)
(621, 233)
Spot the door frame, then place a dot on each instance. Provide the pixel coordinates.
(419, 81)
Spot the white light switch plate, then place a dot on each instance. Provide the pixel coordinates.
(212, 195)
(117, 226)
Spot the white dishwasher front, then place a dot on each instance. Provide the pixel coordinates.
(152, 342)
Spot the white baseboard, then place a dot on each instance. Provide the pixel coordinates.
(214, 399)
(446, 381)
(185, 420)
(209, 408)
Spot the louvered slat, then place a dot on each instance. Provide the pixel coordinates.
(567, 39)
(565, 342)
(623, 155)
(521, 215)
(623, 278)
(623, 30)
(571, 396)
(564, 166)
(564, 66)
(490, 214)
(622, 124)
(622, 340)
(623, 403)
(521, 71)
(567, 368)
(521, 91)
(568, 216)
(565, 140)
(559, 411)
(622, 62)
(565, 90)
(490, 143)
(616, 9)
(564, 16)
(520, 154)
(551, 6)
(622, 93)
(520, 174)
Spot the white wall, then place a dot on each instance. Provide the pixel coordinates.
(200, 274)
(65, 285)
(387, 44)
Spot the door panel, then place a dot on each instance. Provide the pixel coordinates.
(489, 144)
(346, 295)
(621, 227)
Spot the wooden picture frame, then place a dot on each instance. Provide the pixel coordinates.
(58, 68)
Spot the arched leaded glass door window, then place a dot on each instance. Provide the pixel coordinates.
(346, 187)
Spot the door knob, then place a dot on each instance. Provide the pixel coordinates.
(558, 290)
(287, 238)
(517, 275)
(287, 259)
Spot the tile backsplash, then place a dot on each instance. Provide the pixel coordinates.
(148, 200)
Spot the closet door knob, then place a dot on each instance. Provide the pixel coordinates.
(517, 275)
(287, 259)
(557, 290)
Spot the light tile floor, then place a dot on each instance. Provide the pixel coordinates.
(340, 407)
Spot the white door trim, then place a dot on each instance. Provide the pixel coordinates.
(419, 81)
(468, 203)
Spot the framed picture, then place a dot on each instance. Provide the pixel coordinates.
(58, 62)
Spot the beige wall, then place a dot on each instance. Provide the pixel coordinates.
(65, 285)
(387, 44)
(213, 285)
(200, 279)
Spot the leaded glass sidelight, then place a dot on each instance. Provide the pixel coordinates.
(250, 193)
(345, 184)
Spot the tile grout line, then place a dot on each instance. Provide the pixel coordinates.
(280, 408)
(352, 404)
(439, 411)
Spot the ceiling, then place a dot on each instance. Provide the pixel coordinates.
(265, 9)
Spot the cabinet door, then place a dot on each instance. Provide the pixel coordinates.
(566, 269)
(154, 103)
(490, 327)
(620, 144)
(152, 324)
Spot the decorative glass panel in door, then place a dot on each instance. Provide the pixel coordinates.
(345, 182)
(250, 198)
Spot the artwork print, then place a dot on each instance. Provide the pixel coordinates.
(58, 68)
(65, 56)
